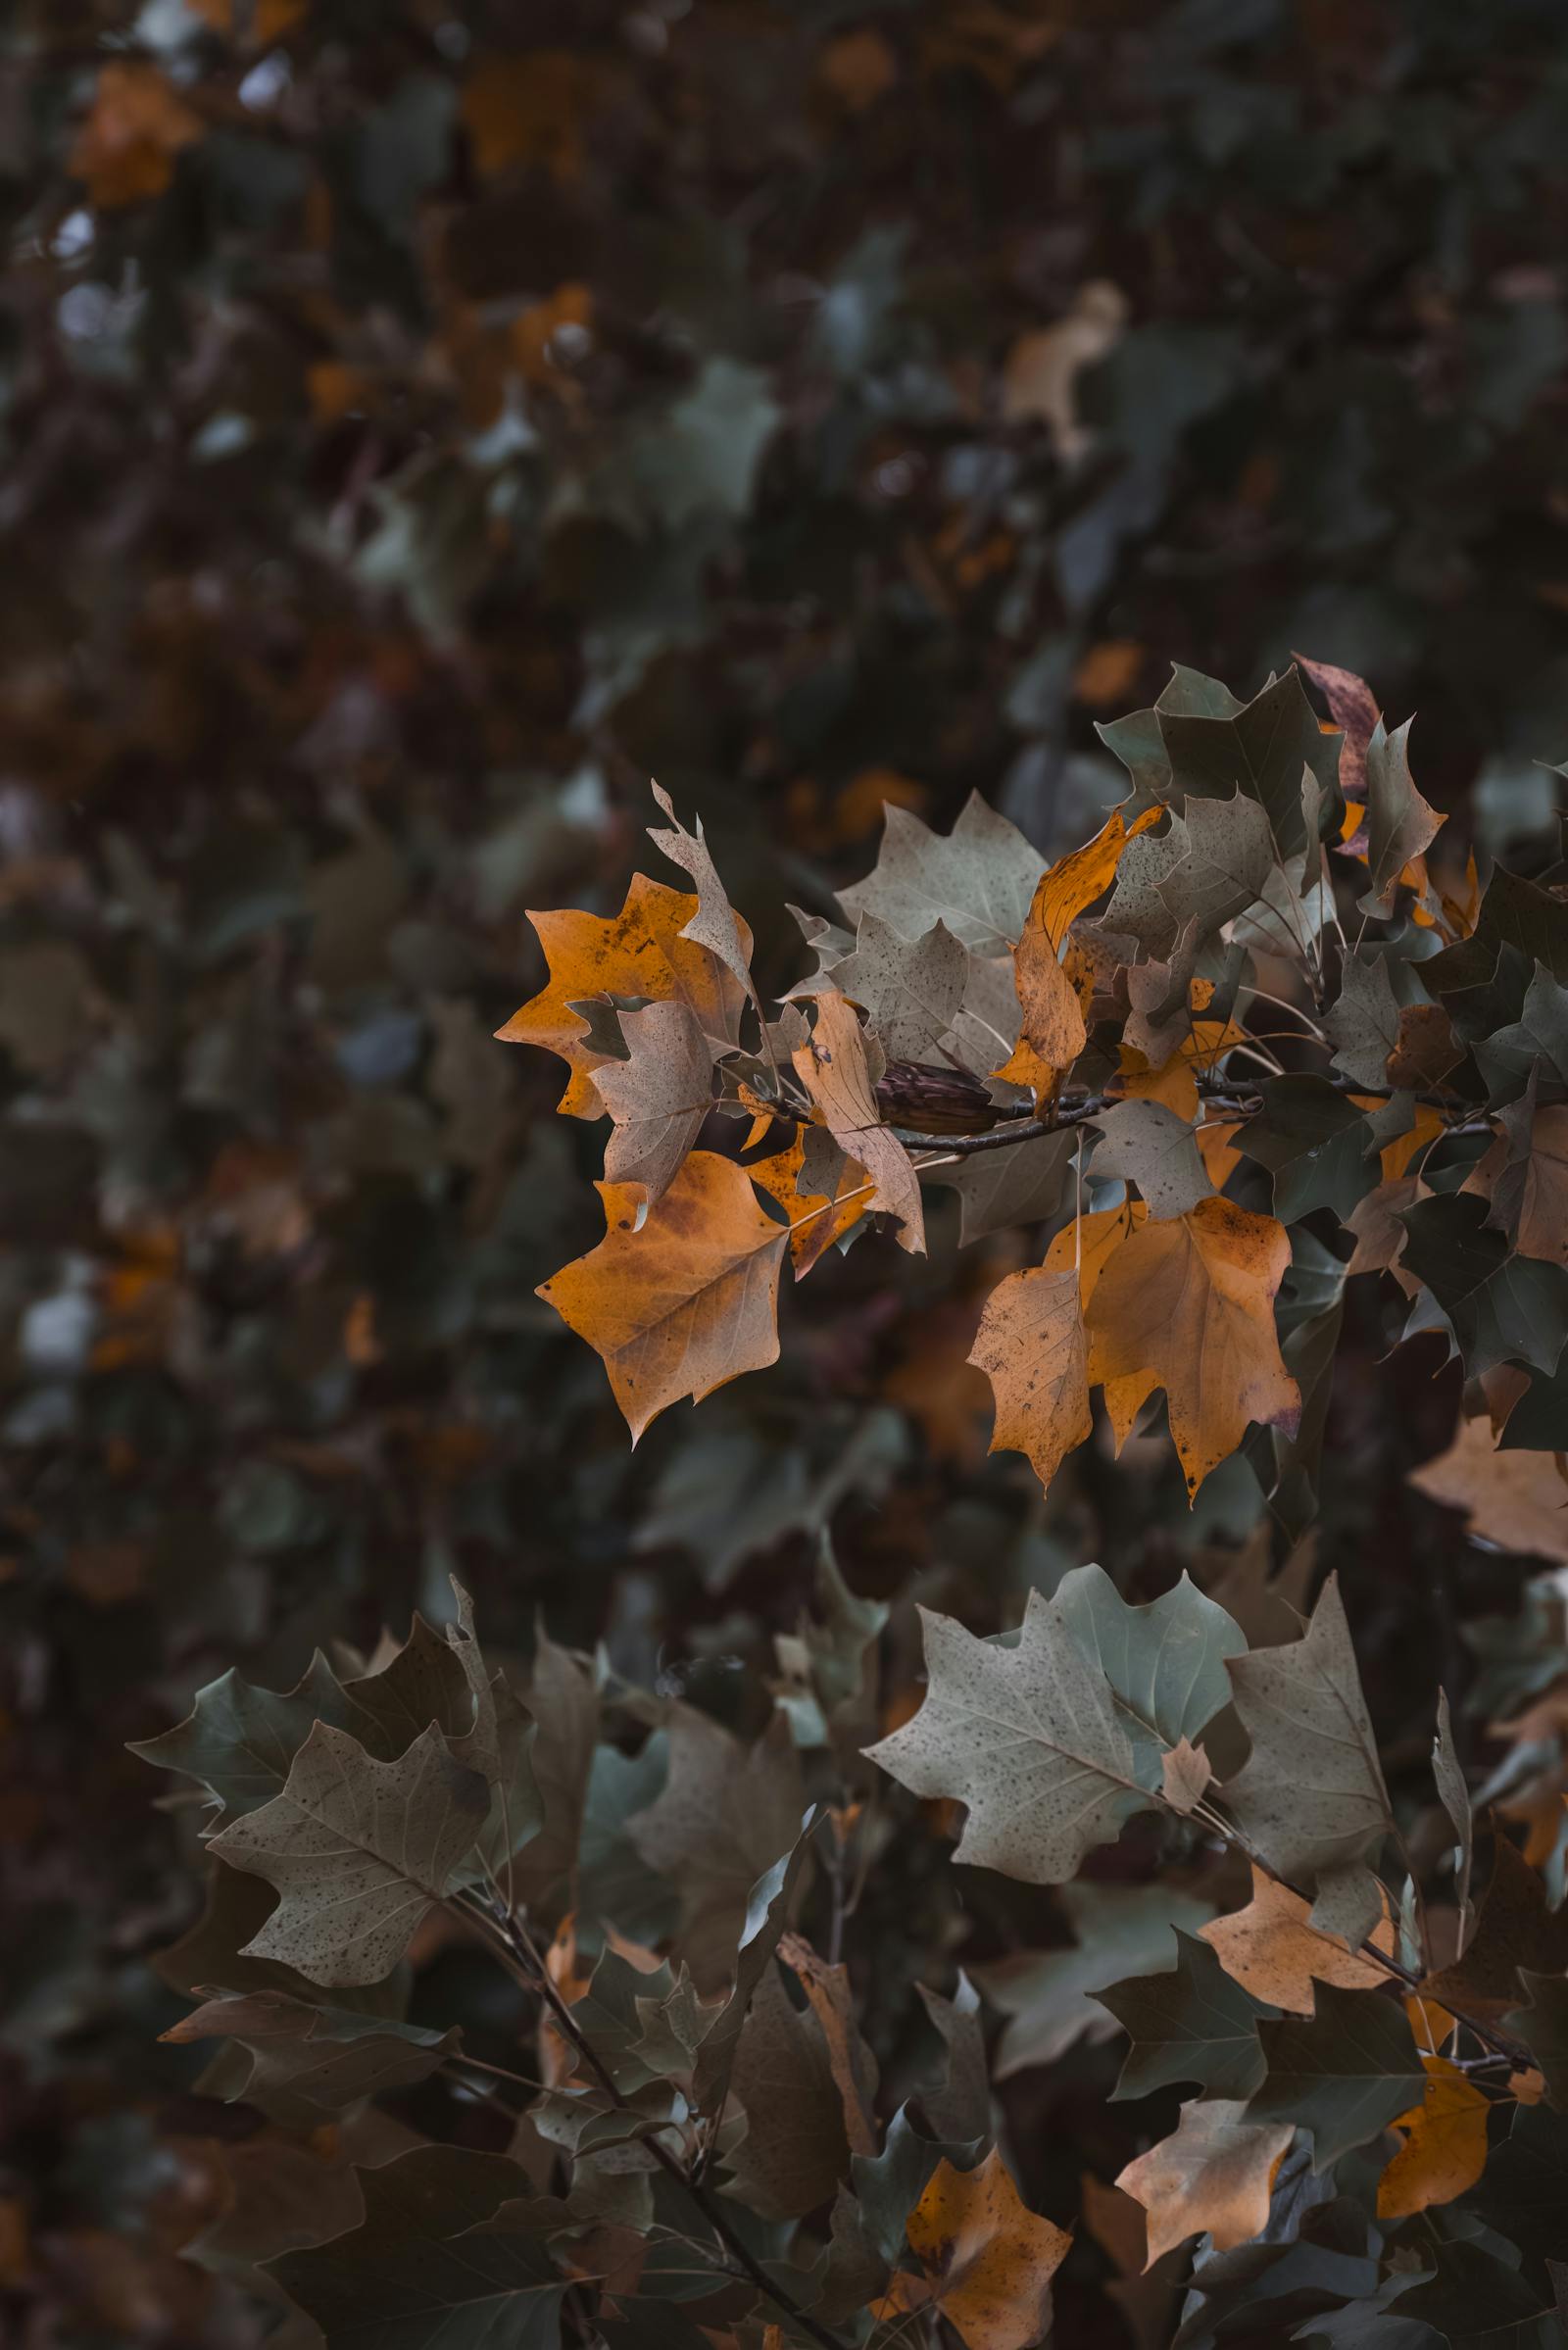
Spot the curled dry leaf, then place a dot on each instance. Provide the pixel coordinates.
(833, 1067)
(687, 1301)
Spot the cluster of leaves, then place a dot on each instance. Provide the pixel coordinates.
(421, 421)
(692, 2146)
(1225, 1174)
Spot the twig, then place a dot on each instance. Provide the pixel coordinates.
(529, 1964)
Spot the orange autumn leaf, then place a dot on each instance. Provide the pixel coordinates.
(1053, 1031)
(1032, 1347)
(529, 109)
(1213, 2174)
(856, 68)
(138, 123)
(1187, 1305)
(1271, 1950)
(814, 1221)
(1445, 2148)
(1175, 1081)
(685, 1303)
(1517, 1498)
(638, 951)
(988, 2261)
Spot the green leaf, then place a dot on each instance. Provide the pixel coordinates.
(1363, 1023)
(978, 880)
(1475, 2301)
(1027, 1738)
(1503, 1308)
(909, 989)
(1047, 1996)
(1534, 1045)
(1259, 749)
(1342, 2073)
(1146, 1143)
(1316, 1143)
(1228, 856)
(1399, 823)
(359, 1850)
(1165, 1661)
(1194, 2023)
(240, 1740)
(443, 2260)
(1310, 1798)
(307, 2064)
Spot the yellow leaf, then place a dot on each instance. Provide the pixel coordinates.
(638, 951)
(1445, 2149)
(1187, 1305)
(832, 1066)
(687, 1302)
(988, 2261)
(1175, 1081)
(1215, 2174)
(1031, 1347)
(1053, 1031)
(1270, 1950)
(815, 1222)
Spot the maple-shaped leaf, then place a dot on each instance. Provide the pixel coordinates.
(240, 1740)
(1027, 1738)
(657, 1097)
(815, 1218)
(1146, 1143)
(910, 990)
(307, 2064)
(1032, 1347)
(1443, 2149)
(1192, 2024)
(359, 1850)
(1274, 1951)
(987, 2260)
(1503, 1308)
(1187, 1305)
(1343, 2074)
(999, 1190)
(1400, 826)
(683, 1303)
(834, 1067)
(1524, 1177)
(1513, 1497)
(1310, 1798)
(1215, 2176)
(715, 924)
(1164, 1660)
(726, 1814)
(446, 2258)
(1217, 749)
(1363, 1022)
(1047, 1995)
(979, 880)
(640, 952)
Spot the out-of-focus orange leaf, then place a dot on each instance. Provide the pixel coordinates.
(530, 108)
(856, 68)
(1515, 1498)
(1107, 672)
(137, 124)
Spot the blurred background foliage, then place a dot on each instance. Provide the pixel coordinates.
(423, 423)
